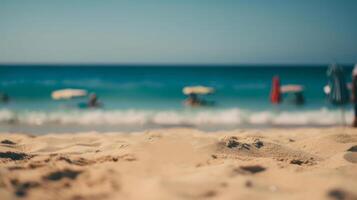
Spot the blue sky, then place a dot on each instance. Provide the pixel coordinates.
(178, 31)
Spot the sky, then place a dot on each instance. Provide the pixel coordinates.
(178, 31)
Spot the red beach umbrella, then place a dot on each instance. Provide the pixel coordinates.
(275, 95)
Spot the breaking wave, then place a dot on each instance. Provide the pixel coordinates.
(232, 116)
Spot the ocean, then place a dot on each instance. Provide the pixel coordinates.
(147, 97)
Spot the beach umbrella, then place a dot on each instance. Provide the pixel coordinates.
(291, 89)
(275, 96)
(197, 90)
(338, 94)
(68, 93)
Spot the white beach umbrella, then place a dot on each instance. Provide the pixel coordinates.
(68, 93)
(291, 88)
(197, 90)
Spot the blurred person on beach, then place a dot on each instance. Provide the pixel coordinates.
(354, 94)
(275, 94)
(4, 98)
(93, 101)
(299, 98)
(192, 100)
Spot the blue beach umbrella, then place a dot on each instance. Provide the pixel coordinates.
(339, 94)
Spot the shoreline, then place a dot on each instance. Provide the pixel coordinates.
(181, 163)
(128, 129)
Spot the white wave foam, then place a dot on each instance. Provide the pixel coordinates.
(184, 117)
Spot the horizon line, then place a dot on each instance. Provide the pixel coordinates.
(158, 64)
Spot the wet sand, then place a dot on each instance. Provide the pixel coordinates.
(316, 163)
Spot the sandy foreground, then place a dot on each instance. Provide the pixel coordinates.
(181, 164)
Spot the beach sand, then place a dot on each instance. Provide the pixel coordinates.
(314, 163)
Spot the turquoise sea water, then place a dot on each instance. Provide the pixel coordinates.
(151, 96)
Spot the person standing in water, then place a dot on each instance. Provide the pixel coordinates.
(354, 94)
(4, 98)
(192, 100)
(275, 94)
(93, 101)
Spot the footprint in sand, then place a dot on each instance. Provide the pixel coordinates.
(232, 147)
(232, 142)
(351, 157)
